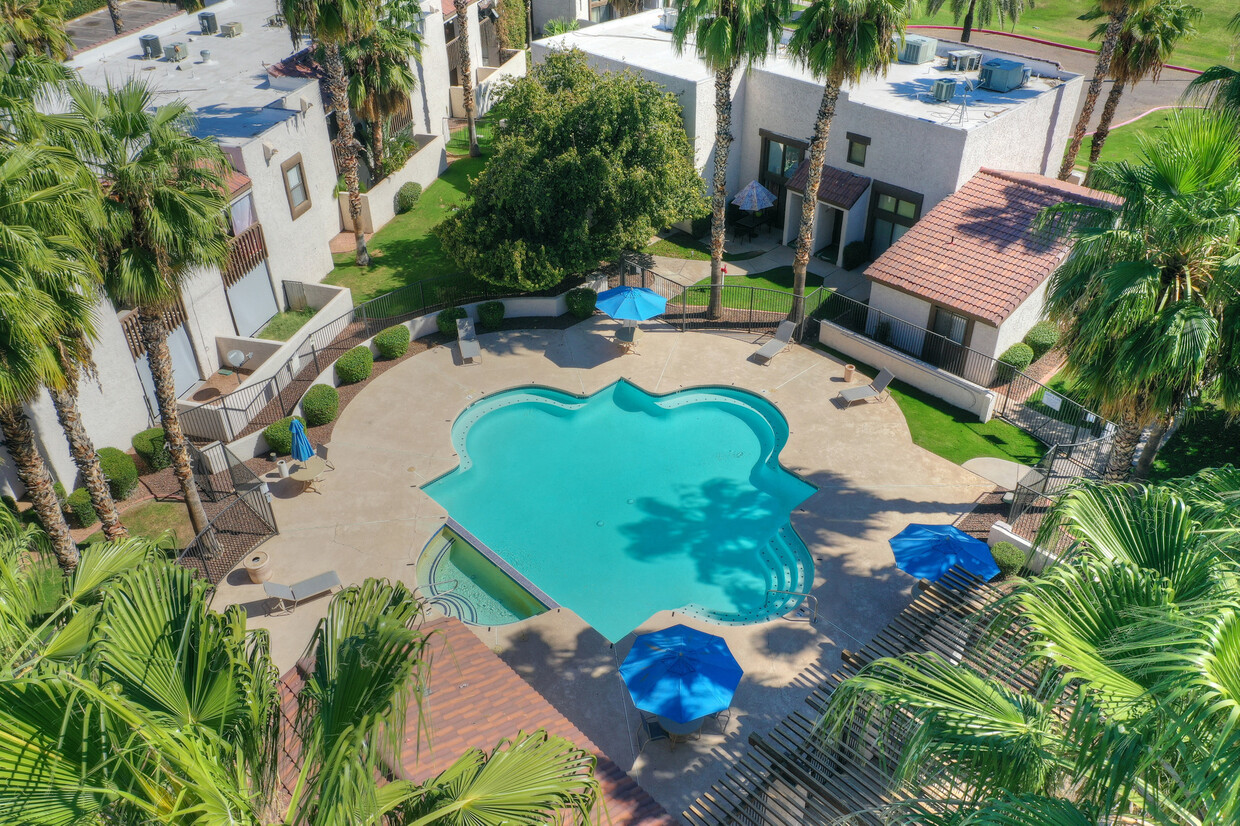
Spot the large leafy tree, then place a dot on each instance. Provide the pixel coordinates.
(586, 165)
(838, 41)
(1149, 297)
(980, 11)
(1136, 636)
(1117, 12)
(164, 219)
(333, 24)
(726, 35)
(1145, 44)
(1219, 85)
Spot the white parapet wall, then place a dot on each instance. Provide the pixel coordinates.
(938, 383)
(379, 202)
(1036, 559)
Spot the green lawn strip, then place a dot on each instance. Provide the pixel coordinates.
(283, 325)
(406, 251)
(1057, 20)
(459, 145)
(1208, 437)
(779, 279)
(682, 245)
(1061, 384)
(151, 519)
(950, 432)
(1124, 143)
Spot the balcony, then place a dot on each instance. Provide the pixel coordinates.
(245, 252)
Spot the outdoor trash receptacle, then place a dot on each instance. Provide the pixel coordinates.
(282, 466)
(258, 566)
(849, 369)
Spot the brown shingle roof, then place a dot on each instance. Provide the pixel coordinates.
(838, 187)
(475, 700)
(977, 251)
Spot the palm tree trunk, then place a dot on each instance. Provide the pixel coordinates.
(1104, 125)
(1123, 449)
(87, 460)
(809, 203)
(114, 10)
(966, 30)
(155, 337)
(376, 129)
(348, 146)
(1109, 39)
(719, 188)
(467, 76)
(1152, 445)
(33, 473)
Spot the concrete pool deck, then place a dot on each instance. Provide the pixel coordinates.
(373, 520)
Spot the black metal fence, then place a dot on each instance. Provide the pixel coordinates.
(244, 524)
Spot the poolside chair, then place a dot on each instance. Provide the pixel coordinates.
(471, 352)
(876, 389)
(777, 344)
(288, 597)
(649, 730)
(627, 338)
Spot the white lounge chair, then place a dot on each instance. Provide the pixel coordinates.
(777, 344)
(471, 351)
(874, 390)
(288, 597)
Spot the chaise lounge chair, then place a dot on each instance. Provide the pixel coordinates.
(471, 352)
(288, 597)
(777, 344)
(875, 389)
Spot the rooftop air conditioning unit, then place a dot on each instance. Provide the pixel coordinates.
(151, 50)
(667, 22)
(944, 89)
(207, 23)
(276, 21)
(1000, 75)
(964, 60)
(918, 49)
(232, 29)
(175, 52)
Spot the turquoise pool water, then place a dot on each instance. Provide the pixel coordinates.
(466, 584)
(623, 504)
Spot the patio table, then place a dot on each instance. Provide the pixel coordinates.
(309, 472)
(681, 732)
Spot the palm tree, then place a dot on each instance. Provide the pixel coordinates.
(165, 202)
(35, 27)
(727, 35)
(114, 12)
(333, 24)
(1144, 46)
(1148, 298)
(467, 74)
(381, 78)
(1219, 85)
(838, 41)
(983, 11)
(1118, 11)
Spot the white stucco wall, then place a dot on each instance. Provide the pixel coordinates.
(1029, 313)
(492, 79)
(1030, 138)
(910, 308)
(544, 10)
(379, 204)
(430, 100)
(207, 315)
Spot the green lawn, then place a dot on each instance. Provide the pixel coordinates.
(152, 519)
(1124, 143)
(1208, 437)
(406, 251)
(283, 325)
(779, 278)
(683, 245)
(1057, 20)
(459, 144)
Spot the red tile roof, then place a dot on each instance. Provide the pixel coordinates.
(977, 251)
(475, 700)
(838, 187)
(237, 182)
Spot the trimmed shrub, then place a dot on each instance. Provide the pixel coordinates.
(279, 438)
(150, 445)
(10, 503)
(855, 254)
(491, 314)
(1009, 558)
(407, 196)
(320, 404)
(580, 301)
(355, 365)
(446, 320)
(393, 342)
(1042, 338)
(1014, 359)
(78, 511)
(121, 471)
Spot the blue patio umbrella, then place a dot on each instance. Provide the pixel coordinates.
(754, 197)
(631, 303)
(680, 673)
(928, 551)
(302, 450)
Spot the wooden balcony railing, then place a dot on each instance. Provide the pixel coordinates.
(174, 317)
(245, 252)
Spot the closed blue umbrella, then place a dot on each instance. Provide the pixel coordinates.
(631, 303)
(302, 449)
(754, 197)
(681, 673)
(929, 551)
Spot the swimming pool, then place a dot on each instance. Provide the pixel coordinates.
(622, 504)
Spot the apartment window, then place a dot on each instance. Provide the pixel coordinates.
(295, 186)
(857, 146)
(780, 157)
(892, 211)
(601, 12)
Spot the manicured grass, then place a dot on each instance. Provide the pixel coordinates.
(779, 278)
(459, 145)
(406, 251)
(1124, 143)
(1057, 20)
(683, 245)
(152, 519)
(1208, 437)
(283, 325)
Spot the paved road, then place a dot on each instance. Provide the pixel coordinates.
(94, 28)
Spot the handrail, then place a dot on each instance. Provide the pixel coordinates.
(808, 598)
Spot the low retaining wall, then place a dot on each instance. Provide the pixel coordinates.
(379, 203)
(938, 383)
(1036, 559)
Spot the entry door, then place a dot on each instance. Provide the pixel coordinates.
(184, 367)
(252, 302)
(947, 348)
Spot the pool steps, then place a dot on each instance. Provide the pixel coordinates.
(790, 578)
